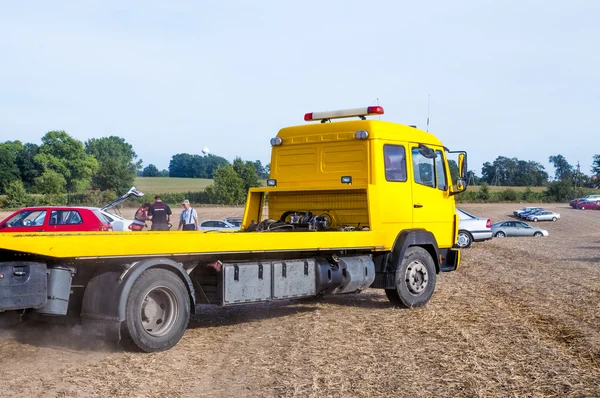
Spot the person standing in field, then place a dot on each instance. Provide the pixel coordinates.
(188, 218)
(140, 218)
(160, 215)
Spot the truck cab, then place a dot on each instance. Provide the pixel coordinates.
(362, 175)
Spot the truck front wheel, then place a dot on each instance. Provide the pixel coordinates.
(157, 312)
(415, 279)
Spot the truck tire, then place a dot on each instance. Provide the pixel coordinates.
(157, 311)
(415, 279)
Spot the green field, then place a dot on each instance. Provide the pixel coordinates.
(168, 184)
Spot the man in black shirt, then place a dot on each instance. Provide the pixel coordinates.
(160, 214)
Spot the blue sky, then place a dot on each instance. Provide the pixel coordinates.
(513, 78)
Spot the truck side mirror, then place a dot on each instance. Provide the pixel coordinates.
(462, 166)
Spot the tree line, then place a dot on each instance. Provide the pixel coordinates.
(513, 172)
(63, 165)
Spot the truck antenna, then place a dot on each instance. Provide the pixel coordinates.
(428, 105)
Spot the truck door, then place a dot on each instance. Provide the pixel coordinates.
(433, 208)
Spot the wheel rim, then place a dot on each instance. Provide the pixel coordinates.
(417, 277)
(463, 239)
(159, 311)
(500, 235)
(538, 234)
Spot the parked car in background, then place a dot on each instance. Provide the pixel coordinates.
(217, 225)
(56, 219)
(575, 202)
(516, 228)
(543, 215)
(523, 210)
(589, 205)
(113, 215)
(533, 210)
(237, 221)
(472, 229)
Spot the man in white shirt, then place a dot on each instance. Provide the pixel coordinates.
(188, 218)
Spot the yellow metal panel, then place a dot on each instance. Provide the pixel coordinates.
(128, 244)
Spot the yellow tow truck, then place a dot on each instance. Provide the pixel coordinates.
(349, 205)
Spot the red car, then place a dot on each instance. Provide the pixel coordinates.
(589, 205)
(55, 219)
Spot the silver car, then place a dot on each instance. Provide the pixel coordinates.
(516, 228)
(217, 225)
(472, 229)
(544, 215)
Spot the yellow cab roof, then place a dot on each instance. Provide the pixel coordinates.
(377, 129)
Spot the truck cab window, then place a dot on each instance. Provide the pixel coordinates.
(423, 168)
(395, 163)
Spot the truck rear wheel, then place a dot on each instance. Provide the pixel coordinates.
(415, 279)
(157, 312)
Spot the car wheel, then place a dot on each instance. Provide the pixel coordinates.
(157, 311)
(535, 219)
(464, 239)
(500, 234)
(415, 279)
(582, 207)
(538, 234)
(553, 218)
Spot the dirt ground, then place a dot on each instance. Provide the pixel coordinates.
(521, 317)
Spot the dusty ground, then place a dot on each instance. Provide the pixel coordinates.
(521, 317)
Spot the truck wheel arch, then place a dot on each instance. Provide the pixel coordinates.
(413, 237)
(106, 294)
(133, 273)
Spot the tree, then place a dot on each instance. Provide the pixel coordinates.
(228, 187)
(563, 170)
(261, 171)
(16, 196)
(595, 178)
(117, 164)
(247, 172)
(195, 166)
(513, 172)
(150, 171)
(65, 155)
(28, 167)
(163, 173)
(50, 182)
(9, 171)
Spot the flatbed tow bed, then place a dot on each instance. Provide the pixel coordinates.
(361, 204)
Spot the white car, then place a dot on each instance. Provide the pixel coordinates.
(117, 221)
(217, 225)
(472, 229)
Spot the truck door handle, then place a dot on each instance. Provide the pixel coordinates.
(417, 206)
(19, 273)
